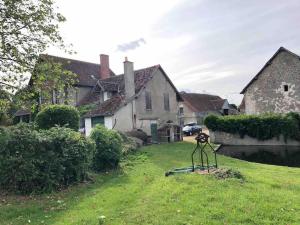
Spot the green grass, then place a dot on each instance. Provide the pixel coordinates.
(141, 194)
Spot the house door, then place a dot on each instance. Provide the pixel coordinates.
(97, 120)
(154, 132)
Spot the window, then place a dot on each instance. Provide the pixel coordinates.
(66, 100)
(55, 97)
(76, 96)
(225, 112)
(106, 96)
(286, 87)
(181, 110)
(97, 120)
(166, 102)
(148, 100)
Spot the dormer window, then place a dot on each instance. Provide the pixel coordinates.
(106, 95)
(286, 87)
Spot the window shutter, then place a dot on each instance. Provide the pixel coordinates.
(148, 100)
(166, 102)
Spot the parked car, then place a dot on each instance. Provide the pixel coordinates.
(191, 128)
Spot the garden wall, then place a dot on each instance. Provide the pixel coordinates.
(224, 138)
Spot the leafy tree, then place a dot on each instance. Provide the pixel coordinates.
(5, 106)
(27, 28)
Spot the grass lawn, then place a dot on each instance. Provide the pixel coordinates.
(141, 194)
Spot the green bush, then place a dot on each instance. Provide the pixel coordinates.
(42, 161)
(261, 127)
(58, 115)
(108, 148)
(129, 144)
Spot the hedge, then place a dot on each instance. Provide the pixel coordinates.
(58, 115)
(108, 148)
(261, 127)
(42, 161)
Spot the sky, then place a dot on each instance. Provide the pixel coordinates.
(205, 46)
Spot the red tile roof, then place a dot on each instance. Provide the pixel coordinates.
(202, 102)
(116, 84)
(107, 108)
(88, 73)
(141, 78)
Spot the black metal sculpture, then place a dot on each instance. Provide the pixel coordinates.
(202, 143)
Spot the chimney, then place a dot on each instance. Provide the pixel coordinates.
(104, 66)
(129, 79)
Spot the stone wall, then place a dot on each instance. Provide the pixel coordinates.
(223, 138)
(267, 94)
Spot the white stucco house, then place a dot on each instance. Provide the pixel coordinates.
(143, 99)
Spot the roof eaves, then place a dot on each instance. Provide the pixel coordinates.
(267, 64)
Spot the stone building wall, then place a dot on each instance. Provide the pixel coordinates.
(267, 93)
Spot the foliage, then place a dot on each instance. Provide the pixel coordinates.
(50, 84)
(42, 161)
(224, 173)
(5, 107)
(261, 127)
(61, 115)
(138, 134)
(108, 148)
(140, 194)
(129, 144)
(27, 27)
(83, 109)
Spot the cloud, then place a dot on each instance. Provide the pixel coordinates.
(131, 45)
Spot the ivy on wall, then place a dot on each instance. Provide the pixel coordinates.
(261, 127)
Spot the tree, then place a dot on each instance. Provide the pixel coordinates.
(5, 106)
(48, 78)
(27, 28)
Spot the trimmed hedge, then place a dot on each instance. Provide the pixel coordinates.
(58, 115)
(42, 161)
(108, 148)
(261, 127)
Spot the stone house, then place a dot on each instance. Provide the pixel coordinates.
(143, 99)
(275, 88)
(196, 107)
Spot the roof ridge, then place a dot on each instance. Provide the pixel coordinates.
(149, 67)
(54, 56)
(193, 93)
(266, 64)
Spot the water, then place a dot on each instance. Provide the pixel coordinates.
(274, 155)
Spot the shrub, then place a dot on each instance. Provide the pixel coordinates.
(42, 161)
(224, 173)
(261, 127)
(108, 148)
(61, 115)
(138, 134)
(129, 144)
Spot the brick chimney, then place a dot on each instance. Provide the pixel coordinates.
(129, 79)
(104, 66)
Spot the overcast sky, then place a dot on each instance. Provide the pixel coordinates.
(209, 46)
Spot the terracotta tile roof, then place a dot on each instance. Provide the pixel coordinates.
(88, 73)
(202, 102)
(106, 108)
(141, 78)
(116, 85)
